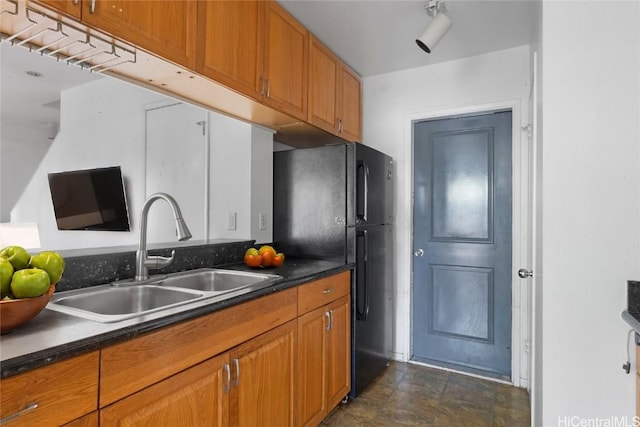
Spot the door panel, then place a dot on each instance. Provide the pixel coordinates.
(462, 242)
(461, 187)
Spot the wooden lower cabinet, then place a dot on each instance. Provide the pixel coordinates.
(249, 385)
(324, 350)
(256, 363)
(339, 352)
(262, 390)
(638, 380)
(195, 397)
(53, 395)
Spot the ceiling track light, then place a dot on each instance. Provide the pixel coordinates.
(437, 28)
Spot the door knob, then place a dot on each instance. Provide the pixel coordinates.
(524, 273)
(418, 252)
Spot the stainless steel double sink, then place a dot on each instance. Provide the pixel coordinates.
(127, 299)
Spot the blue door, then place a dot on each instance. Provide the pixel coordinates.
(461, 301)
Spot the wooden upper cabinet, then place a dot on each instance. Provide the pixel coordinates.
(349, 104)
(230, 43)
(334, 94)
(284, 80)
(69, 7)
(164, 27)
(323, 86)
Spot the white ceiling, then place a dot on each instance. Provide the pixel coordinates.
(378, 36)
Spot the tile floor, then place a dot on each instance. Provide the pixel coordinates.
(412, 395)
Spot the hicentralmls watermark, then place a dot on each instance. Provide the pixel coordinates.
(576, 421)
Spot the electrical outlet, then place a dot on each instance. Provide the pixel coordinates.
(262, 221)
(231, 221)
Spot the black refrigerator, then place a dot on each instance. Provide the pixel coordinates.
(335, 202)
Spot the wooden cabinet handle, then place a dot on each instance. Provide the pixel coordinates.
(28, 407)
(75, 2)
(237, 363)
(227, 386)
(92, 6)
(328, 316)
(327, 291)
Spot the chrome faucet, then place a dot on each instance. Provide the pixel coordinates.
(143, 261)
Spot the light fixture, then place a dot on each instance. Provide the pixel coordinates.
(438, 27)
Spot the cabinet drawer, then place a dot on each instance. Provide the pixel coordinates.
(316, 294)
(137, 363)
(62, 391)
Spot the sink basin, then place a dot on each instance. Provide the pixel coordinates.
(171, 293)
(111, 304)
(216, 280)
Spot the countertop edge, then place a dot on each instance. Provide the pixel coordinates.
(631, 320)
(27, 362)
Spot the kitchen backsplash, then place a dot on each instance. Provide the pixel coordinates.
(82, 271)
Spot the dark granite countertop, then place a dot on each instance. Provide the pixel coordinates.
(54, 336)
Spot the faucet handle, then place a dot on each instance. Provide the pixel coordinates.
(155, 261)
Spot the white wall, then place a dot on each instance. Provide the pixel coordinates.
(591, 206)
(241, 180)
(21, 150)
(536, 224)
(390, 101)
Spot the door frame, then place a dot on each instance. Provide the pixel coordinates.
(521, 217)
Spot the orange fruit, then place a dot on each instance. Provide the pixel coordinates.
(267, 258)
(266, 248)
(253, 260)
(278, 259)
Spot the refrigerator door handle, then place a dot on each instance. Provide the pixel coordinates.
(362, 276)
(362, 193)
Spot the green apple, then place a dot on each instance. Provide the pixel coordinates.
(17, 256)
(6, 272)
(29, 283)
(51, 262)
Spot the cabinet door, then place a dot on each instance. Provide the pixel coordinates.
(349, 108)
(312, 347)
(262, 379)
(338, 351)
(286, 62)
(230, 43)
(165, 27)
(195, 397)
(323, 86)
(70, 7)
